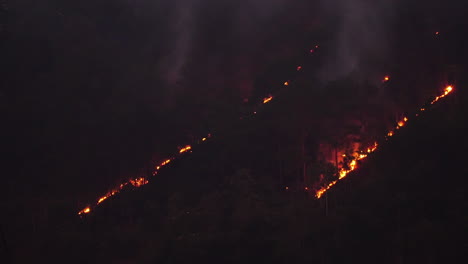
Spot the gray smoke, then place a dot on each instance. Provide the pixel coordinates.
(362, 35)
(181, 28)
(359, 27)
(246, 18)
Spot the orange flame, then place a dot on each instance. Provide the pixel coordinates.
(342, 173)
(185, 149)
(85, 211)
(141, 181)
(102, 199)
(267, 99)
(164, 163)
(447, 90)
(138, 182)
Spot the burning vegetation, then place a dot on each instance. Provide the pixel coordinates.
(349, 162)
(138, 182)
(342, 173)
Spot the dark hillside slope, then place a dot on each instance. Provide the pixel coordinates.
(409, 200)
(405, 204)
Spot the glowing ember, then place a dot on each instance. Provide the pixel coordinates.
(437, 33)
(164, 163)
(299, 68)
(102, 199)
(185, 149)
(286, 83)
(447, 90)
(138, 182)
(386, 78)
(267, 99)
(85, 211)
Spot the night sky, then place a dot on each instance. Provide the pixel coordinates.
(92, 91)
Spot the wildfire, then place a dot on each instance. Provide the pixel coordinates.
(138, 182)
(342, 173)
(85, 211)
(164, 163)
(185, 149)
(102, 199)
(267, 99)
(447, 90)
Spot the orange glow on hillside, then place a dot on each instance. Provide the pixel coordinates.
(447, 90)
(185, 149)
(85, 211)
(138, 182)
(267, 99)
(342, 173)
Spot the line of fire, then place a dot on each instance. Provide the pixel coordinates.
(340, 161)
(140, 181)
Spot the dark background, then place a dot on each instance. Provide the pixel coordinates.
(93, 91)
